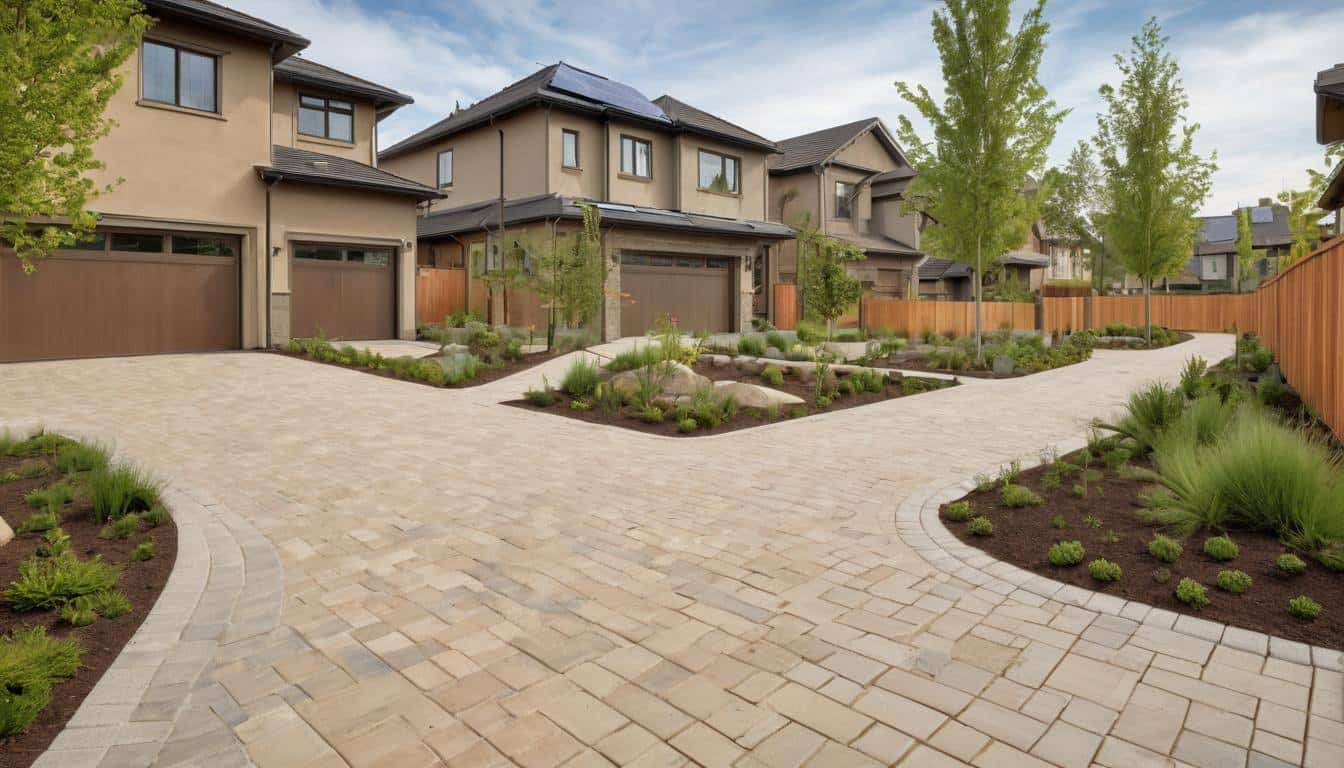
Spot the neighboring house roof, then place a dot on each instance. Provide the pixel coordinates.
(821, 146)
(485, 215)
(686, 116)
(892, 183)
(1329, 99)
(217, 16)
(317, 168)
(1333, 197)
(942, 269)
(881, 244)
(1269, 229)
(571, 88)
(1025, 259)
(307, 72)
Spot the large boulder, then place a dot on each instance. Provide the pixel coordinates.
(677, 379)
(848, 350)
(1003, 365)
(753, 395)
(750, 365)
(6, 533)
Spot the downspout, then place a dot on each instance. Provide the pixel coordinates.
(546, 158)
(606, 161)
(266, 250)
(504, 289)
(266, 340)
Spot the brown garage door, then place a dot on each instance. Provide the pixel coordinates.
(694, 291)
(122, 293)
(342, 292)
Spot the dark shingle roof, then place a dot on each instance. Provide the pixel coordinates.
(300, 70)
(219, 17)
(892, 182)
(1329, 100)
(690, 118)
(317, 168)
(938, 269)
(484, 215)
(881, 244)
(1218, 229)
(1333, 197)
(537, 88)
(820, 146)
(1218, 234)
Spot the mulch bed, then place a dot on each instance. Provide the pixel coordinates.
(484, 373)
(1022, 536)
(1181, 338)
(918, 364)
(102, 640)
(746, 417)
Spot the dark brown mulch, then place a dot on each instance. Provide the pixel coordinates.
(102, 640)
(484, 373)
(1181, 338)
(746, 417)
(1022, 536)
(919, 364)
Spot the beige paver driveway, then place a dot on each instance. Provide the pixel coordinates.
(467, 583)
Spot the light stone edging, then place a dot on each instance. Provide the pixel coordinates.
(920, 526)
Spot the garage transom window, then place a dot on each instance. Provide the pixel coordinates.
(684, 262)
(347, 253)
(326, 118)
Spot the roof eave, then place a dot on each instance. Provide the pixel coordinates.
(286, 43)
(1333, 197)
(380, 98)
(270, 175)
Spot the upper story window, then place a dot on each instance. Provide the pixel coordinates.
(637, 157)
(844, 200)
(180, 77)
(718, 173)
(326, 118)
(569, 148)
(445, 173)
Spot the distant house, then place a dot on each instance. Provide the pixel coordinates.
(1029, 266)
(1213, 265)
(1330, 129)
(945, 279)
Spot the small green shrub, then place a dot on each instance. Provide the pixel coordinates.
(40, 443)
(581, 378)
(1065, 553)
(38, 522)
(77, 612)
(1290, 564)
(638, 357)
(1051, 480)
(1010, 472)
(119, 490)
(867, 380)
(777, 340)
(31, 469)
(1116, 457)
(798, 412)
(650, 414)
(1019, 496)
(1234, 581)
(1192, 593)
(1192, 377)
(55, 543)
(809, 332)
(1112, 537)
(1332, 556)
(1080, 490)
(1304, 607)
(1260, 360)
(1092, 521)
(1058, 521)
(121, 528)
(110, 604)
(1102, 569)
(958, 511)
(1162, 575)
(542, 398)
(983, 483)
(81, 457)
(8, 476)
(52, 497)
(913, 385)
(1165, 548)
(50, 583)
(143, 551)
(580, 405)
(30, 664)
(1221, 548)
(687, 424)
(980, 526)
(1149, 412)
(751, 345)
(772, 376)
(155, 517)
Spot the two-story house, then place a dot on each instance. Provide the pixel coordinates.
(1329, 88)
(848, 181)
(681, 195)
(250, 208)
(1214, 267)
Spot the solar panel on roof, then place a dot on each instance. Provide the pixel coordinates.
(604, 91)
(1262, 214)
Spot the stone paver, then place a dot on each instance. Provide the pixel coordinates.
(374, 572)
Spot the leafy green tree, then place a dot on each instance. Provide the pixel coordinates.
(569, 274)
(1302, 217)
(58, 62)
(992, 130)
(828, 288)
(1155, 182)
(1071, 206)
(1247, 255)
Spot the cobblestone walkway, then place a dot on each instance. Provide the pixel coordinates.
(376, 573)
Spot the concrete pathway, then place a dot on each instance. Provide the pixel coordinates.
(380, 573)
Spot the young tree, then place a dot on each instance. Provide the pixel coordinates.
(1155, 183)
(992, 130)
(1247, 255)
(1302, 217)
(828, 288)
(58, 61)
(569, 274)
(1071, 205)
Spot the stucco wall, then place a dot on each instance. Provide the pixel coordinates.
(747, 203)
(657, 192)
(285, 122)
(585, 182)
(889, 220)
(867, 152)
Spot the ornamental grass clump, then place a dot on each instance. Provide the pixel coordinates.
(1192, 593)
(1165, 548)
(110, 604)
(980, 526)
(1104, 570)
(751, 345)
(53, 497)
(772, 376)
(958, 511)
(121, 528)
(581, 379)
(143, 551)
(1019, 496)
(81, 457)
(1290, 564)
(121, 489)
(1065, 554)
(1234, 581)
(39, 522)
(46, 584)
(1148, 413)
(1221, 548)
(1304, 607)
(31, 662)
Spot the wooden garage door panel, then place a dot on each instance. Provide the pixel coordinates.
(701, 299)
(342, 300)
(97, 305)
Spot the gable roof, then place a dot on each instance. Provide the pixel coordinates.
(217, 16)
(1218, 234)
(1329, 100)
(297, 69)
(607, 98)
(939, 269)
(318, 168)
(893, 182)
(821, 147)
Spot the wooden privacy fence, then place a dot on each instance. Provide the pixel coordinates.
(956, 318)
(1185, 312)
(439, 293)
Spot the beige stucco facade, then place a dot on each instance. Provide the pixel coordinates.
(285, 124)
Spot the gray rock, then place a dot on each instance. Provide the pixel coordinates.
(1003, 365)
(719, 361)
(846, 350)
(774, 352)
(750, 365)
(753, 395)
(450, 363)
(677, 379)
(6, 533)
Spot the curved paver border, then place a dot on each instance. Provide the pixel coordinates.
(920, 526)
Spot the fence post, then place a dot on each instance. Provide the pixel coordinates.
(1040, 314)
(1087, 312)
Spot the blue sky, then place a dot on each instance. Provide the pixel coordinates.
(786, 68)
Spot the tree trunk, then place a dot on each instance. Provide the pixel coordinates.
(979, 281)
(1148, 310)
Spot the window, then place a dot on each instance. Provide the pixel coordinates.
(449, 256)
(326, 118)
(569, 152)
(1212, 265)
(718, 173)
(173, 75)
(203, 245)
(349, 254)
(136, 242)
(634, 258)
(844, 200)
(97, 242)
(636, 157)
(446, 168)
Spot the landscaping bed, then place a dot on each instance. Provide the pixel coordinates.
(1208, 499)
(409, 368)
(1006, 355)
(678, 392)
(140, 581)
(1121, 336)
